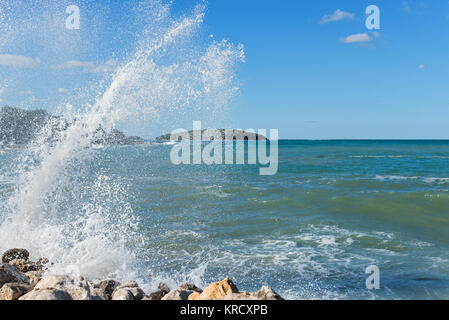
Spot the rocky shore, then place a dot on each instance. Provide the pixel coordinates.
(22, 279)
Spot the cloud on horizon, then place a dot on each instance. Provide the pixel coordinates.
(338, 15)
(18, 61)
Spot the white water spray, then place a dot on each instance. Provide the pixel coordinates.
(88, 229)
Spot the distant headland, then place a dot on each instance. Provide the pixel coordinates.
(19, 127)
(226, 134)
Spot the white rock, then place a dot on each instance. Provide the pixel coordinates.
(128, 291)
(47, 294)
(178, 295)
(122, 294)
(77, 288)
(12, 291)
(267, 293)
(34, 277)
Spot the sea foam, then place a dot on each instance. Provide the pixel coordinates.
(83, 222)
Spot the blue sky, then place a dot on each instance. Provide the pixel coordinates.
(300, 75)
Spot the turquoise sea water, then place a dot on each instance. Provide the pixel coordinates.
(333, 209)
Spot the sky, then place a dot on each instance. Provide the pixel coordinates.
(312, 69)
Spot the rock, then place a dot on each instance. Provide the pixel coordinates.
(24, 265)
(267, 293)
(47, 294)
(178, 295)
(108, 286)
(128, 291)
(130, 284)
(163, 287)
(12, 254)
(13, 291)
(162, 290)
(156, 296)
(189, 287)
(77, 288)
(10, 274)
(34, 277)
(122, 294)
(97, 294)
(42, 264)
(216, 291)
(245, 296)
(138, 293)
(194, 296)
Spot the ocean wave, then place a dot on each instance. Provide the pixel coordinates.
(428, 180)
(436, 180)
(391, 177)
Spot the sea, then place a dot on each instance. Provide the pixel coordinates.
(334, 209)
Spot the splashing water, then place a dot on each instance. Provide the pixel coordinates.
(85, 224)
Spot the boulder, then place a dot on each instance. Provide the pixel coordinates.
(190, 287)
(108, 286)
(128, 290)
(162, 290)
(194, 296)
(130, 284)
(12, 254)
(216, 291)
(226, 290)
(47, 294)
(178, 295)
(13, 291)
(34, 277)
(10, 274)
(78, 288)
(122, 294)
(24, 265)
(267, 293)
(163, 287)
(244, 296)
(138, 293)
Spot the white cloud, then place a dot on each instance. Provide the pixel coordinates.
(12, 60)
(421, 66)
(338, 15)
(62, 90)
(27, 92)
(357, 38)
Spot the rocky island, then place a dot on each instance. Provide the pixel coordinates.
(19, 127)
(22, 279)
(226, 134)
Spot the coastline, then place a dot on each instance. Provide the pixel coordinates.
(22, 279)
